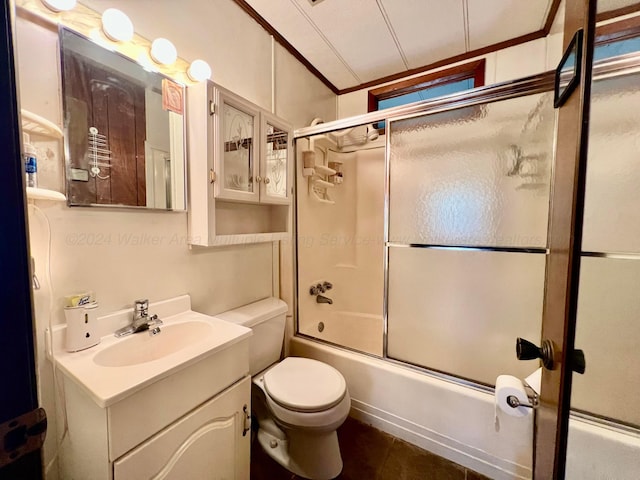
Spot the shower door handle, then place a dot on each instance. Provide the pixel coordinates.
(525, 350)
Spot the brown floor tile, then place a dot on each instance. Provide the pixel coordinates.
(407, 462)
(471, 475)
(364, 450)
(369, 454)
(263, 467)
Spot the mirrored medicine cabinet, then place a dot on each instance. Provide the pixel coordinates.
(124, 130)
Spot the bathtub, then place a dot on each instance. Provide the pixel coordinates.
(458, 422)
(360, 331)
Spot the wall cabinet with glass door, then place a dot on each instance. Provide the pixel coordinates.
(239, 169)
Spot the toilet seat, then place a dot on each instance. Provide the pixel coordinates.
(304, 385)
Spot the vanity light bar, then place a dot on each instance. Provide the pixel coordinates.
(116, 25)
(163, 51)
(59, 5)
(199, 71)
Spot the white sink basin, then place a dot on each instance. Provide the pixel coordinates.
(141, 347)
(118, 367)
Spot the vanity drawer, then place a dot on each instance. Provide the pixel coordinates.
(136, 418)
(209, 442)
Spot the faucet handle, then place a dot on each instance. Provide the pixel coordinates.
(141, 306)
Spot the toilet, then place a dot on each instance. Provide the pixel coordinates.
(298, 403)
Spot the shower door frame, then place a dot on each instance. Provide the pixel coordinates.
(540, 83)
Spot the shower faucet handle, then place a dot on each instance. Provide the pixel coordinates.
(319, 288)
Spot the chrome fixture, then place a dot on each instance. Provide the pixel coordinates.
(532, 395)
(323, 299)
(141, 321)
(320, 288)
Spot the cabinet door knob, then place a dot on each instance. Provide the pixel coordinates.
(267, 180)
(258, 179)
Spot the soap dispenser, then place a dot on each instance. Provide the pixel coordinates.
(82, 331)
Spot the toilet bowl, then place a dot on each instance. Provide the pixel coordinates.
(298, 403)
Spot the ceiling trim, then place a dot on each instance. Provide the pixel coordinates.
(618, 12)
(283, 41)
(617, 31)
(447, 61)
(553, 10)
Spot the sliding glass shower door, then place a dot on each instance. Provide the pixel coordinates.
(468, 193)
(608, 320)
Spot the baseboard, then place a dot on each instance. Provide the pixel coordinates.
(465, 455)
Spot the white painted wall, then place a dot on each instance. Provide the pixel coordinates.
(126, 254)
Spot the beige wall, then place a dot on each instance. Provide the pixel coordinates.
(124, 254)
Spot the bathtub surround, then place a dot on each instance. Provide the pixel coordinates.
(343, 243)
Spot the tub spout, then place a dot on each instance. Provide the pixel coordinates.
(323, 299)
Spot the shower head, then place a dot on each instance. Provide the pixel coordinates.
(372, 133)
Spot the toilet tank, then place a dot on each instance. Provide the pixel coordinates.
(267, 320)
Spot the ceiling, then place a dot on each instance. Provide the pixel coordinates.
(355, 42)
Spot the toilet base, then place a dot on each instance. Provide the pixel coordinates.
(314, 456)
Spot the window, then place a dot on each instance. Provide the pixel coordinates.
(445, 82)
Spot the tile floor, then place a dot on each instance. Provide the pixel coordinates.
(369, 454)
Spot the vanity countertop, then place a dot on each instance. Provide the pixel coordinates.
(136, 361)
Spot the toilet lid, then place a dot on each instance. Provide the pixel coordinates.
(305, 385)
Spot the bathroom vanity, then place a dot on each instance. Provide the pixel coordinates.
(173, 405)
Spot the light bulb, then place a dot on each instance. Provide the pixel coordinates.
(59, 5)
(199, 71)
(116, 25)
(163, 51)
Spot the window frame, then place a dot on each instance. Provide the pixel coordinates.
(474, 70)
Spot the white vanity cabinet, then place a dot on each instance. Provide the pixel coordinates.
(172, 414)
(211, 442)
(165, 430)
(239, 169)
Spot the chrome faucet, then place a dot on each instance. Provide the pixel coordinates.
(323, 299)
(141, 321)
